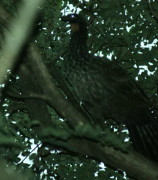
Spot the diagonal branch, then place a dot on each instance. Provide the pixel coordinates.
(19, 31)
(56, 99)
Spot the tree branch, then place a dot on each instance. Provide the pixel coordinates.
(29, 95)
(56, 99)
(134, 164)
(19, 31)
(16, 35)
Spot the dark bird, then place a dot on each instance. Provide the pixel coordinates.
(107, 90)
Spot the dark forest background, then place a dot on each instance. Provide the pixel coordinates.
(43, 135)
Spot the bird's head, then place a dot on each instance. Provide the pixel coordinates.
(77, 22)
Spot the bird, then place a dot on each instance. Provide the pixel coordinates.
(106, 89)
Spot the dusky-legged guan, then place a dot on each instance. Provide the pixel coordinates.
(106, 89)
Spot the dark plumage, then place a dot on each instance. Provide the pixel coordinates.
(106, 90)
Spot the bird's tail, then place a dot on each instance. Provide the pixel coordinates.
(144, 137)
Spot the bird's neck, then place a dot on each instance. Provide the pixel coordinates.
(78, 43)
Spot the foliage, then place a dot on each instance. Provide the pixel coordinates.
(123, 30)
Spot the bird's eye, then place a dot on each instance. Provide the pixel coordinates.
(72, 16)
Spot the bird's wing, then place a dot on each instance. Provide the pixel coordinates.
(122, 81)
